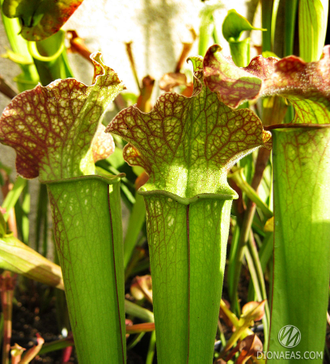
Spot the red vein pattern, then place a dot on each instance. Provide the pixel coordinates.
(55, 129)
(187, 144)
(305, 85)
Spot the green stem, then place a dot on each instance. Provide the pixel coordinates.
(13, 196)
(301, 243)
(87, 222)
(261, 283)
(35, 54)
(135, 224)
(185, 240)
(50, 58)
(240, 51)
(56, 345)
(151, 350)
(29, 77)
(267, 12)
(138, 311)
(290, 25)
(251, 193)
(261, 163)
(231, 269)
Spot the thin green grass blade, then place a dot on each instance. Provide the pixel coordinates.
(290, 25)
(135, 223)
(41, 218)
(13, 196)
(313, 21)
(25, 227)
(267, 13)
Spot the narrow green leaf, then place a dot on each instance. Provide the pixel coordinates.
(240, 180)
(42, 215)
(18, 58)
(13, 196)
(267, 14)
(266, 250)
(232, 270)
(56, 345)
(20, 258)
(3, 226)
(207, 26)
(313, 21)
(151, 350)
(289, 24)
(40, 19)
(276, 4)
(135, 224)
(25, 209)
(137, 311)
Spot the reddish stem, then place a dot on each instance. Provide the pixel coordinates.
(6, 89)
(7, 283)
(66, 354)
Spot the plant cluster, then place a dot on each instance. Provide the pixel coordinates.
(240, 154)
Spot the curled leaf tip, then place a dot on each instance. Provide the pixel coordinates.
(53, 128)
(305, 85)
(187, 144)
(233, 84)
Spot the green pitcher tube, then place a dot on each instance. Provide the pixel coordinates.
(301, 158)
(87, 224)
(187, 145)
(187, 245)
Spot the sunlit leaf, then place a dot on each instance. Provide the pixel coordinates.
(313, 22)
(55, 129)
(20, 258)
(187, 144)
(305, 85)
